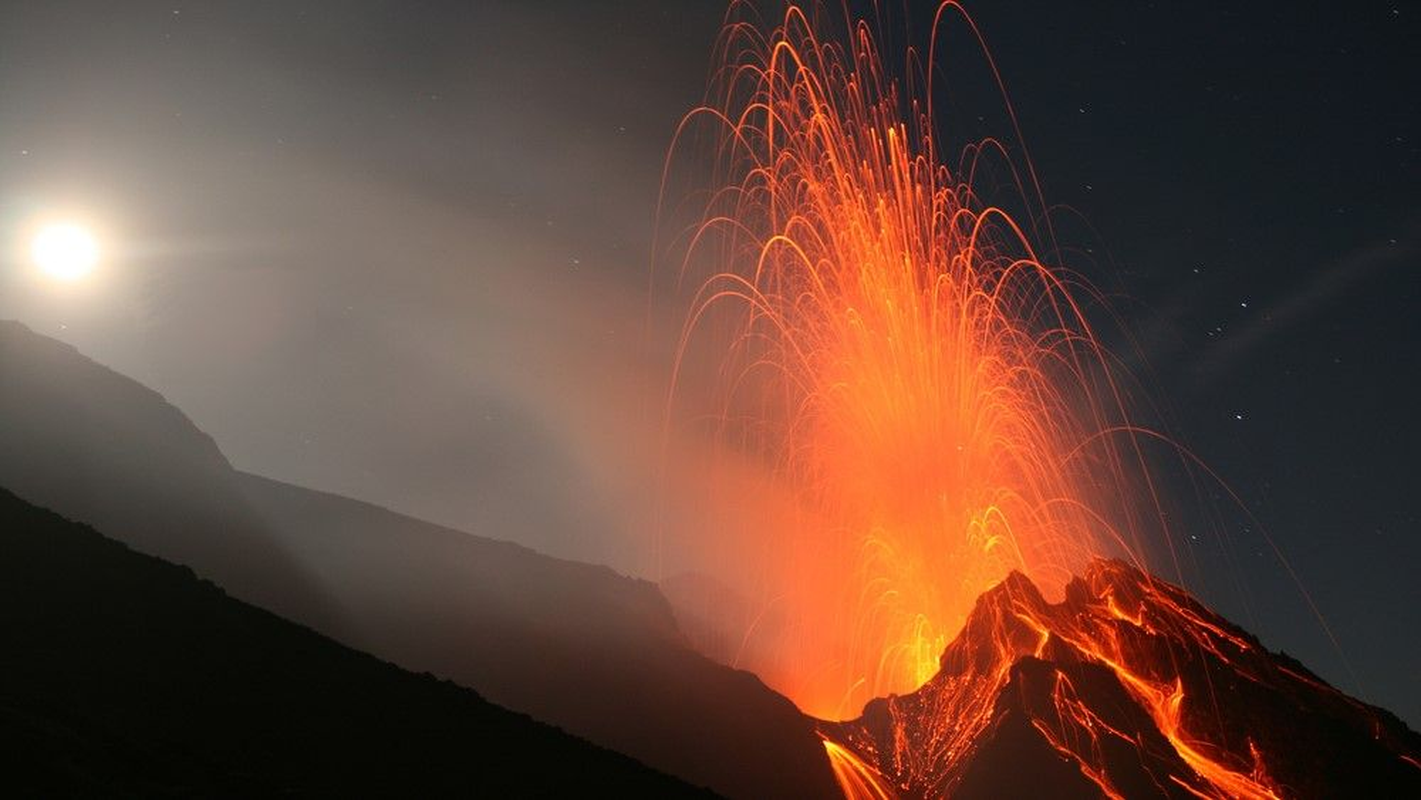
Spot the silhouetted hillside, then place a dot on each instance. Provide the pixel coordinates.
(576, 645)
(105, 450)
(125, 675)
(580, 646)
(712, 616)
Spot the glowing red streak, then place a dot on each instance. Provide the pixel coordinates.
(858, 780)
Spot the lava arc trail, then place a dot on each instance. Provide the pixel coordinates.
(895, 354)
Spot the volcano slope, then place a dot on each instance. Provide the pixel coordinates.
(126, 676)
(1128, 688)
(578, 646)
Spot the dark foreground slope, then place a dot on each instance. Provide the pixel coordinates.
(576, 645)
(1128, 688)
(107, 451)
(580, 646)
(122, 674)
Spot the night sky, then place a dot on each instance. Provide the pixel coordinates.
(399, 250)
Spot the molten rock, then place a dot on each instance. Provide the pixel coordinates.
(1127, 688)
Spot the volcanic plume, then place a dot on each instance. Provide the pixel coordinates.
(922, 391)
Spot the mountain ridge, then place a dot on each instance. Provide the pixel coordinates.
(574, 661)
(126, 675)
(112, 453)
(579, 646)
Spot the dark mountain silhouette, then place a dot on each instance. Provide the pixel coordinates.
(104, 450)
(712, 616)
(580, 646)
(124, 675)
(1127, 688)
(576, 645)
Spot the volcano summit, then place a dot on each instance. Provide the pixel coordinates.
(1129, 687)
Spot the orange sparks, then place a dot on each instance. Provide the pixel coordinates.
(924, 393)
(911, 397)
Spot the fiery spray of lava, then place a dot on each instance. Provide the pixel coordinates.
(892, 349)
(924, 394)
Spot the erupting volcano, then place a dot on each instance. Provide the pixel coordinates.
(900, 360)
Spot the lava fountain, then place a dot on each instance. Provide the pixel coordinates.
(946, 443)
(895, 353)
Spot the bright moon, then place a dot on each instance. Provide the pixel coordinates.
(65, 251)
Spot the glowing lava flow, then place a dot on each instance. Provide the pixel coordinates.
(926, 394)
(1073, 671)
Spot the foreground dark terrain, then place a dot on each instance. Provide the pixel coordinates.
(126, 675)
(575, 645)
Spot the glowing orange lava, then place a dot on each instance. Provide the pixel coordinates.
(922, 389)
(932, 413)
(1144, 637)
